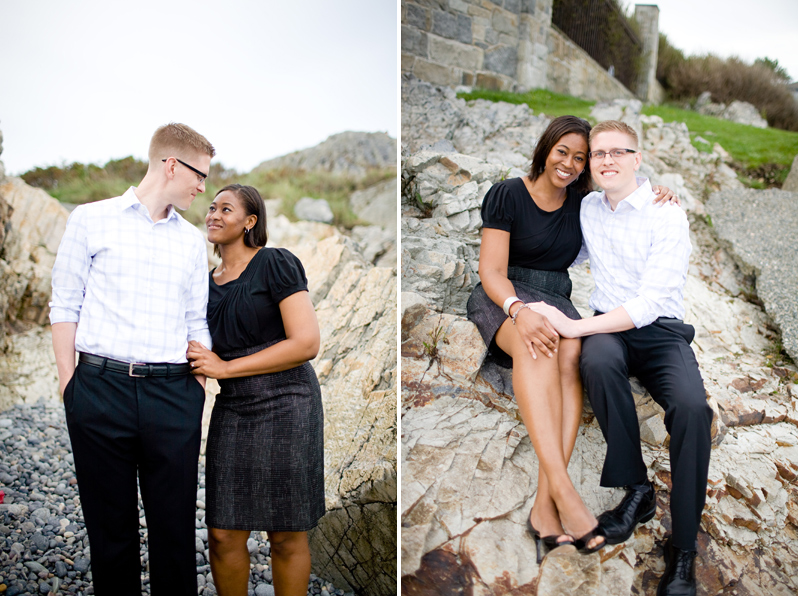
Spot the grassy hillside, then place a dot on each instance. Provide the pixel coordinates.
(80, 183)
(762, 156)
(540, 100)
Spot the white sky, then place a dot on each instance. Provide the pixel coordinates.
(91, 80)
(744, 28)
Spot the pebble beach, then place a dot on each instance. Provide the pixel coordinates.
(44, 548)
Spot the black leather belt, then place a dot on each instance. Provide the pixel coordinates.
(135, 369)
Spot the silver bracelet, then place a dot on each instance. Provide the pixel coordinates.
(509, 302)
(525, 305)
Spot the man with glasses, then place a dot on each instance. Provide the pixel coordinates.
(130, 290)
(639, 255)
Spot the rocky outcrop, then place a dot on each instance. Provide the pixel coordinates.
(350, 153)
(469, 472)
(759, 228)
(376, 206)
(355, 543)
(31, 225)
(434, 118)
(741, 112)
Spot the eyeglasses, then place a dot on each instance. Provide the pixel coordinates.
(202, 175)
(616, 153)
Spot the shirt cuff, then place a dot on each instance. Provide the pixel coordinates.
(203, 336)
(59, 314)
(638, 311)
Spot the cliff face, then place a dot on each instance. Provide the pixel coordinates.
(469, 473)
(31, 225)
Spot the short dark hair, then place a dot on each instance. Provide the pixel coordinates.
(558, 128)
(253, 204)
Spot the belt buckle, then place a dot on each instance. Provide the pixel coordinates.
(130, 372)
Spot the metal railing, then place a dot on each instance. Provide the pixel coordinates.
(602, 30)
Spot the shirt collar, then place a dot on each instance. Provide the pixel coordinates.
(129, 199)
(637, 199)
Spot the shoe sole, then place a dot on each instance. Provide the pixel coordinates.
(647, 516)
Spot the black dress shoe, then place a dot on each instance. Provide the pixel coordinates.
(637, 507)
(679, 577)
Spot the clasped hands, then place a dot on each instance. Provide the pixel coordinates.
(205, 362)
(542, 327)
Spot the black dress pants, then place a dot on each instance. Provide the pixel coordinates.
(659, 355)
(123, 427)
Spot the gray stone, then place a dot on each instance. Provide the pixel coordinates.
(759, 228)
(513, 6)
(311, 209)
(377, 204)
(791, 182)
(744, 113)
(81, 565)
(40, 541)
(35, 567)
(414, 41)
(252, 546)
(452, 26)
(502, 59)
(528, 6)
(264, 590)
(416, 16)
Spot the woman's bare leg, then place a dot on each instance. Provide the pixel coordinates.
(290, 563)
(229, 561)
(551, 423)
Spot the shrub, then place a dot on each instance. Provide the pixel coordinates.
(728, 80)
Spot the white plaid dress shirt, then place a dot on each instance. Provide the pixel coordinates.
(137, 289)
(639, 254)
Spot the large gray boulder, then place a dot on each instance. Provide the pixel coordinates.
(759, 228)
(791, 183)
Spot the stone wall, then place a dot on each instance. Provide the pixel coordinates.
(507, 45)
(572, 72)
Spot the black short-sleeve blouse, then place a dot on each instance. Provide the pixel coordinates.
(245, 312)
(543, 240)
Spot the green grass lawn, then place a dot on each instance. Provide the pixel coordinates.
(746, 144)
(540, 100)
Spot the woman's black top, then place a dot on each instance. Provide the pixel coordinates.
(245, 312)
(543, 240)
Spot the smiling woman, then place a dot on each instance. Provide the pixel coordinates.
(265, 453)
(531, 235)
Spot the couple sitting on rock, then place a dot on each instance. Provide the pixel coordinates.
(534, 228)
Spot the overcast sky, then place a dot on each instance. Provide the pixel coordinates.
(744, 28)
(90, 80)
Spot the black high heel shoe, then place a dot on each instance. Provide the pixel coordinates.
(581, 544)
(550, 542)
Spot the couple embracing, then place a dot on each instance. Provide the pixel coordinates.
(131, 295)
(534, 228)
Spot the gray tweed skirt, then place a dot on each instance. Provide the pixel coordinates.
(265, 451)
(531, 285)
